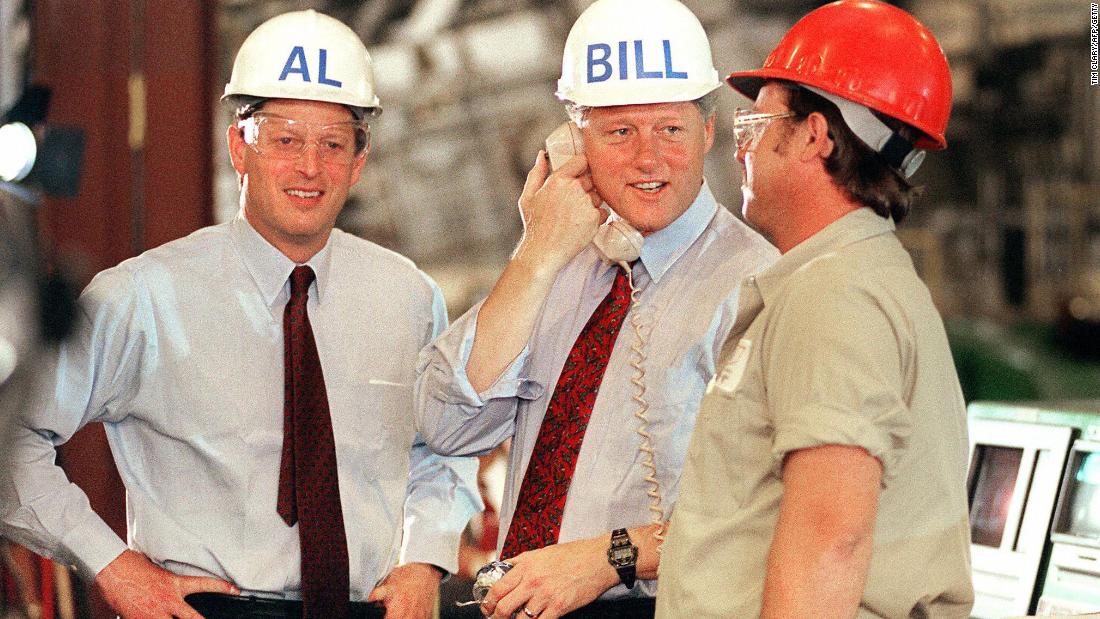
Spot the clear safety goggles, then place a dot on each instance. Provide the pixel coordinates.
(283, 138)
(749, 127)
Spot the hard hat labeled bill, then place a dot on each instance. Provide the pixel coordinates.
(624, 52)
(305, 55)
(868, 52)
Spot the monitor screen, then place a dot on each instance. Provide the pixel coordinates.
(991, 486)
(1080, 515)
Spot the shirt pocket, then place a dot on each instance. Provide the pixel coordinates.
(374, 427)
(711, 483)
(672, 398)
(730, 446)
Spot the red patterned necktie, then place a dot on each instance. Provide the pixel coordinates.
(537, 518)
(309, 492)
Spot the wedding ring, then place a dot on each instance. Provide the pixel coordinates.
(527, 611)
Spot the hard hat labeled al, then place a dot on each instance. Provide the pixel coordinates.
(305, 55)
(870, 53)
(624, 52)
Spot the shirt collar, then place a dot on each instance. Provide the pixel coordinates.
(270, 268)
(860, 224)
(664, 247)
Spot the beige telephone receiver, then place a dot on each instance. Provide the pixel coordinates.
(618, 242)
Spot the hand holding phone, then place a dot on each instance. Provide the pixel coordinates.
(559, 212)
(616, 240)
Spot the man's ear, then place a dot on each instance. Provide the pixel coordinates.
(357, 167)
(236, 144)
(709, 129)
(819, 143)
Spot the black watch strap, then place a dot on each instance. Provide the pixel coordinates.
(623, 556)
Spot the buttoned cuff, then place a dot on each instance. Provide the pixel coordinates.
(435, 547)
(91, 546)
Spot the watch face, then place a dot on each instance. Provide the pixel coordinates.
(623, 555)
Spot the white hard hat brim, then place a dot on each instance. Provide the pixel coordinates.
(634, 95)
(237, 101)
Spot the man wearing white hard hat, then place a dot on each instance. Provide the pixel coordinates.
(593, 367)
(255, 382)
(827, 474)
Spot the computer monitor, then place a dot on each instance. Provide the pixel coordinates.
(1073, 579)
(992, 487)
(1013, 478)
(1077, 518)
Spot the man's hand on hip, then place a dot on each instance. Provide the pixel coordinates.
(409, 591)
(139, 589)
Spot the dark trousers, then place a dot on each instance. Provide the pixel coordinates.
(222, 606)
(632, 608)
(642, 608)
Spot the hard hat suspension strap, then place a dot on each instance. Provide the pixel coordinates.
(896, 151)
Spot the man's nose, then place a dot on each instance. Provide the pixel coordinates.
(309, 160)
(648, 153)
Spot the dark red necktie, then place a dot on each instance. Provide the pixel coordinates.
(541, 502)
(309, 491)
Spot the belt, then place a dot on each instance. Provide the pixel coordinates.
(629, 608)
(223, 606)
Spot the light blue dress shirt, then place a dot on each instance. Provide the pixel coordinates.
(689, 275)
(180, 355)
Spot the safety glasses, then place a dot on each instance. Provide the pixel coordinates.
(283, 138)
(749, 127)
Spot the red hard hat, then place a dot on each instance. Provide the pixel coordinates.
(869, 52)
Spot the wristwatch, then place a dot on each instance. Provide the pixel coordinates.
(623, 556)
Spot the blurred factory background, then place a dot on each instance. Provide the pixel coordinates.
(1007, 236)
(1006, 232)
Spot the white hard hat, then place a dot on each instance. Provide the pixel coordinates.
(305, 55)
(623, 52)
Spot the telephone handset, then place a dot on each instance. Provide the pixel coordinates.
(616, 240)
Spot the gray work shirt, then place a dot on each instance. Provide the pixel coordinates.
(837, 344)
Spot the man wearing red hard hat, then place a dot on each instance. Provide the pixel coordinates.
(827, 473)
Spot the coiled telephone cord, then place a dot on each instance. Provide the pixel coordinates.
(638, 357)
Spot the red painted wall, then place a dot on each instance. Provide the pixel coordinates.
(130, 199)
